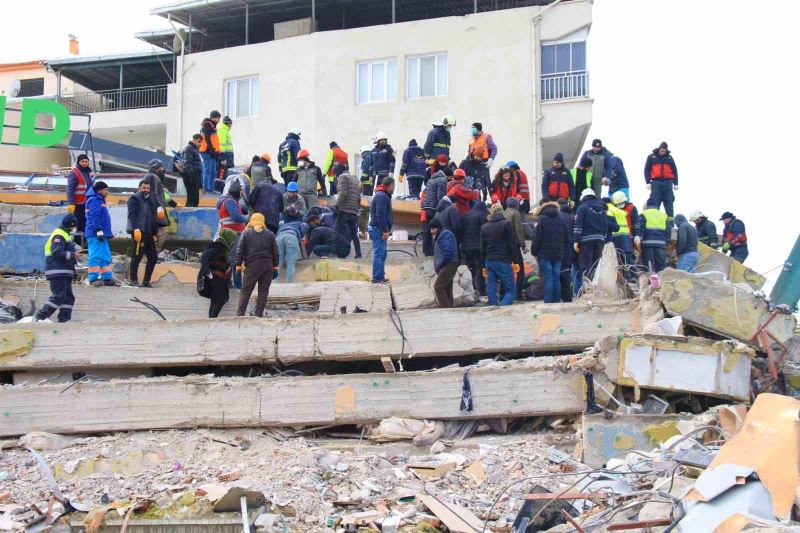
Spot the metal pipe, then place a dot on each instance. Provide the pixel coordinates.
(313, 16)
(475, 6)
(183, 69)
(246, 23)
(58, 83)
(394, 12)
(190, 34)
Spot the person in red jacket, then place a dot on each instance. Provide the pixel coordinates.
(557, 181)
(462, 197)
(522, 187)
(505, 185)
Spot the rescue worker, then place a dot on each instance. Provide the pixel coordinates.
(292, 198)
(522, 187)
(233, 216)
(287, 156)
(309, 179)
(435, 190)
(98, 233)
(617, 180)
(557, 181)
(620, 201)
(568, 255)
(481, 145)
(477, 175)
(445, 264)
(380, 227)
(290, 234)
(622, 236)
(367, 185)
(335, 156)
(79, 180)
(260, 170)
(549, 240)
(348, 204)
(244, 182)
(226, 145)
(210, 150)
(589, 234)
(655, 234)
(257, 261)
(471, 223)
(60, 260)
(661, 176)
(438, 140)
(581, 178)
(143, 228)
(383, 159)
(214, 275)
(324, 241)
(498, 245)
(267, 200)
(686, 245)
(462, 196)
(413, 166)
(601, 165)
(515, 217)
(706, 229)
(192, 172)
(734, 237)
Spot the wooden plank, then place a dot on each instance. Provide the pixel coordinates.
(457, 518)
(528, 387)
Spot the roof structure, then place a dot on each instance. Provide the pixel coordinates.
(136, 69)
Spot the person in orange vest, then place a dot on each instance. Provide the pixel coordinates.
(335, 155)
(210, 150)
(557, 181)
(661, 176)
(79, 180)
(482, 145)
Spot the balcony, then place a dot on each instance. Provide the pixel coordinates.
(565, 86)
(116, 99)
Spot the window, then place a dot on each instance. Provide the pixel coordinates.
(242, 97)
(564, 68)
(31, 87)
(376, 81)
(426, 76)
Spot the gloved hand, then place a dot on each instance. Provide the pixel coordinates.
(489, 162)
(137, 235)
(648, 186)
(605, 181)
(100, 236)
(160, 213)
(637, 241)
(401, 178)
(485, 272)
(675, 188)
(155, 237)
(275, 273)
(515, 268)
(239, 268)
(577, 247)
(726, 247)
(172, 203)
(71, 208)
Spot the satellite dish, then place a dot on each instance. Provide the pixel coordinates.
(14, 88)
(180, 37)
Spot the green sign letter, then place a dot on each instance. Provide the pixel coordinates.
(31, 107)
(2, 115)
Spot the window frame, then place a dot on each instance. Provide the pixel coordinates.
(418, 58)
(254, 96)
(370, 63)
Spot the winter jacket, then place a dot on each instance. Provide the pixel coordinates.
(413, 161)
(380, 210)
(438, 142)
(210, 142)
(445, 249)
(498, 241)
(569, 222)
(244, 181)
(735, 233)
(225, 137)
(591, 222)
(448, 215)
(448, 170)
(477, 175)
(231, 215)
(308, 178)
(59, 254)
(267, 200)
(324, 214)
(98, 218)
(601, 162)
(348, 198)
(654, 236)
(660, 167)
(295, 226)
(257, 246)
(687, 236)
(549, 234)
(325, 236)
(214, 260)
(258, 172)
(287, 153)
(141, 215)
(435, 190)
(382, 161)
(299, 203)
(706, 231)
(515, 217)
(366, 165)
(557, 183)
(618, 178)
(471, 223)
(634, 225)
(156, 189)
(517, 186)
(461, 195)
(76, 191)
(192, 159)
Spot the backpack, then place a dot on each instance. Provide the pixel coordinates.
(283, 154)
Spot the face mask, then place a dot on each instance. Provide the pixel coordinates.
(303, 164)
(474, 131)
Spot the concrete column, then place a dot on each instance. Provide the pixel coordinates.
(189, 51)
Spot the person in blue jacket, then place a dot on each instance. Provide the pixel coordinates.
(414, 167)
(98, 233)
(438, 141)
(383, 159)
(60, 260)
(617, 180)
(380, 227)
(445, 263)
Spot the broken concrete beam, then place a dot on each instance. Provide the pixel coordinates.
(522, 328)
(350, 296)
(681, 364)
(721, 307)
(529, 387)
(416, 292)
(712, 260)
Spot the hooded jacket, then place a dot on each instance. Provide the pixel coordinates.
(549, 234)
(267, 200)
(382, 160)
(660, 167)
(498, 241)
(435, 190)
(591, 222)
(618, 178)
(557, 183)
(348, 189)
(515, 217)
(445, 249)
(97, 215)
(461, 195)
(287, 153)
(601, 162)
(438, 142)
(687, 236)
(448, 215)
(192, 160)
(380, 210)
(471, 223)
(413, 160)
(298, 202)
(706, 231)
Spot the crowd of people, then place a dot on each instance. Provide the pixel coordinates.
(468, 217)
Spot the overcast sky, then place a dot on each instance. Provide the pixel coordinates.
(713, 78)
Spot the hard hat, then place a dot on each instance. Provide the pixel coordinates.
(381, 136)
(448, 121)
(618, 198)
(365, 148)
(459, 173)
(586, 193)
(694, 215)
(295, 131)
(303, 154)
(512, 164)
(266, 157)
(291, 186)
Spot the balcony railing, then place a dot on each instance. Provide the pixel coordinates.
(116, 99)
(565, 86)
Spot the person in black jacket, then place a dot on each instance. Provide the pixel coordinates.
(447, 213)
(143, 228)
(471, 223)
(549, 239)
(569, 259)
(192, 172)
(60, 261)
(267, 199)
(498, 245)
(215, 271)
(324, 241)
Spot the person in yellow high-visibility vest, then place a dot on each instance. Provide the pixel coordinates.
(655, 233)
(60, 260)
(226, 144)
(622, 238)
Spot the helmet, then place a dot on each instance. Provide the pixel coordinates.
(365, 148)
(292, 186)
(619, 198)
(694, 215)
(295, 131)
(512, 164)
(459, 174)
(303, 154)
(448, 121)
(266, 157)
(587, 193)
(380, 136)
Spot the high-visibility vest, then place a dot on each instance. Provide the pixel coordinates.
(48, 246)
(81, 187)
(660, 171)
(225, 220)
(225, 138)
(479, 146)
(621, 218)
(339, 156)
(587, 185)
(655, 219)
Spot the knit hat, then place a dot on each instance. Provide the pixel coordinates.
(227, 120)
(436, 223)
(586, 161)
(257, 222)
(442, 159)
(459, 174)
(339, 169)
(664, 145)
(154, 164)
(235, 188)
(495, 209)
(412, 142)
(559, 157)
(99, 186)
(215, 114)
(81, 158)
(513, 203)
(292, 186)
(651, 203)
(333, 144)
(597, 142)
(69, 221)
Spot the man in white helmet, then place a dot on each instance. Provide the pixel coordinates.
(383, 159)
(287, 156)
(627, 218)
(366, 170)
(438, 141)
(706, 229)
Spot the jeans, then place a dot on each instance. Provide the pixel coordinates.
(654, 258)
(500, 271)
(61, 298)
(99, 259)
(379, 253)
(210, 171)
(661, 193)
(256, 272)
(347, 227)
(414, 186)
(688, 261)
(288, 251)
(551, 272)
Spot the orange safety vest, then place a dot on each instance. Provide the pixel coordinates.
(81, 187)
(660, 171)
(339, 156)
(480, 146)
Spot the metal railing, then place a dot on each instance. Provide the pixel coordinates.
(115, 99)
(565, 86)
